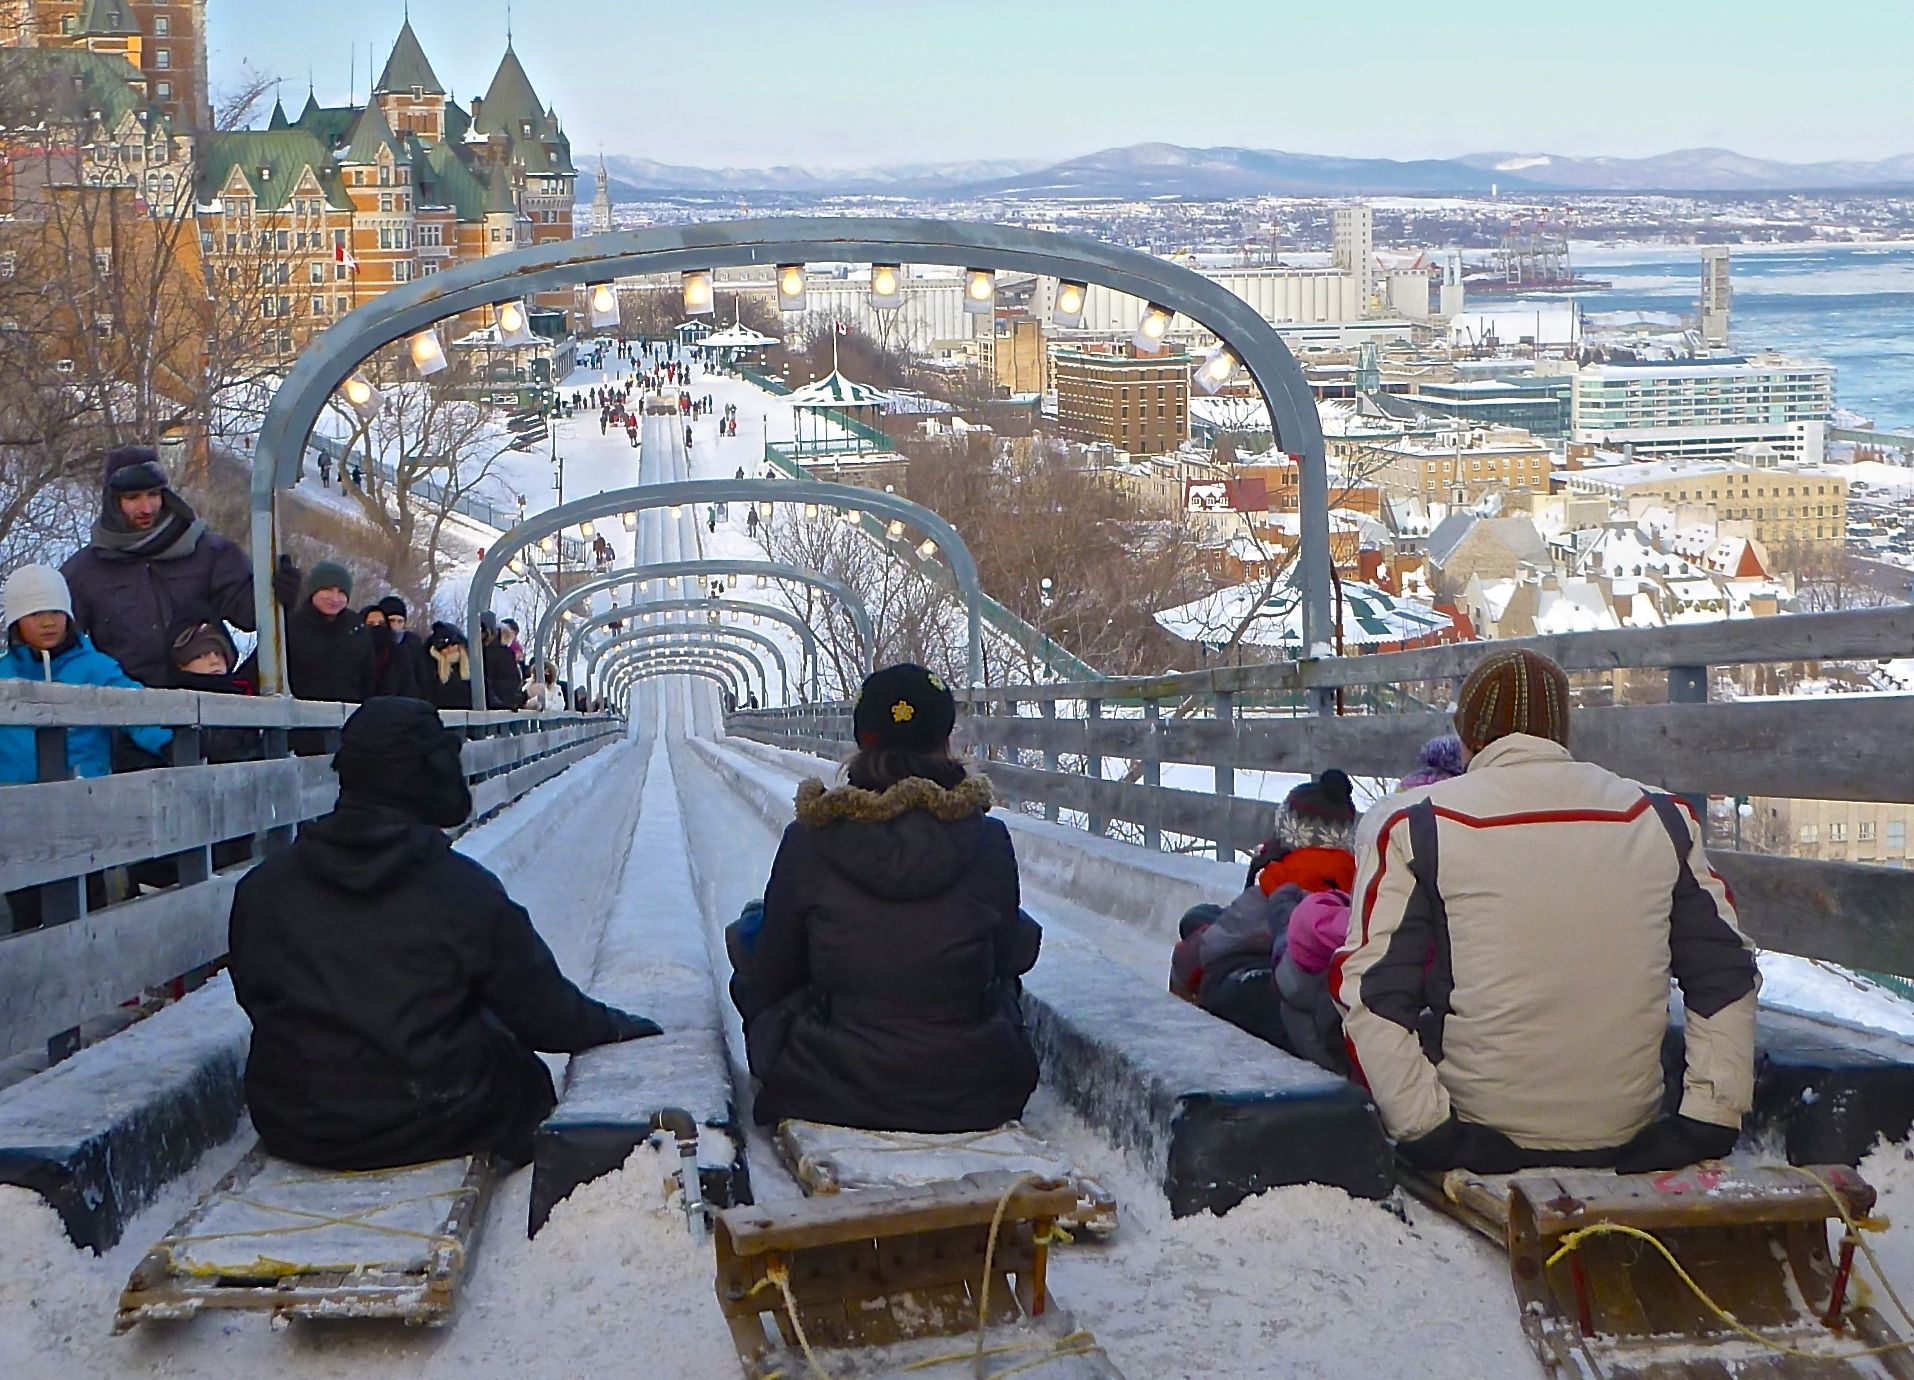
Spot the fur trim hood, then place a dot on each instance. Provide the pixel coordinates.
(818, 806)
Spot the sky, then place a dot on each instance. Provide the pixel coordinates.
(861, 83)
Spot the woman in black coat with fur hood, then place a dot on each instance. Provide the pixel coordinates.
(879, 980)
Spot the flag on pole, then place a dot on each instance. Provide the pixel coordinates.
(842, 326)
(342, 255)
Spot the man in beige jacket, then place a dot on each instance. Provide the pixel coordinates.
(1505, 986)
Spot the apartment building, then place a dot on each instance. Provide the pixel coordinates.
(1705, 408)
(1457, 466)
(1136, 404)
(1781, 508)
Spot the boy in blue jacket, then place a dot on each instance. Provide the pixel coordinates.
(42, 644)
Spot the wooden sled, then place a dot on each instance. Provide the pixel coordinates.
(891, 1282)
(1598, 1298)
(310, 1243)
(839, 1159)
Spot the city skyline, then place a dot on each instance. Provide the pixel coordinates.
(857, 84)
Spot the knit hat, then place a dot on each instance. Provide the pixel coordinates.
(1317, 814)
(445, 635)
(192, 638)
(34, 589)
(392, 606)
(1317, 928)
(1515, 691)
(904, 708)
(329, 575)
(488, 622)
(1196, 917)
(1439, 760)
(134, 470)
(396, 751)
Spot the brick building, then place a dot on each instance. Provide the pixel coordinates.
(1136, 404)
(353, 201)
(164, 39)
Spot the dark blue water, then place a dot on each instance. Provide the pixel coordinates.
(1850, 305)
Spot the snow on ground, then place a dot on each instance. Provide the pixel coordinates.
(1825, 990)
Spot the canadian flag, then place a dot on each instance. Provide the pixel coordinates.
(342, 255)
(841, 326)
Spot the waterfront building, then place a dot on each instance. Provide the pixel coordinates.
(1705, 408)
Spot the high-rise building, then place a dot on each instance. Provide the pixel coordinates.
(1705, 408)
(164, 39)
(1353, 244)
(1717, 295)
(1138, 404)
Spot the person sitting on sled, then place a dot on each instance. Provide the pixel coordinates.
(879, 980)
(396, 992)
(1559, 899)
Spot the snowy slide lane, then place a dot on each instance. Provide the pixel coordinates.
(1271, 1289)
(531, 1310)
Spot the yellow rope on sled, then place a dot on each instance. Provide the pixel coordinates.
(309, 1221)
(1573, 1242)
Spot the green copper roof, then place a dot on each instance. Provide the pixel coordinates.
(330, 125)
(69, 86)
(498, 192)
(444, 180)
(408, 67)
(103, 18)
(510, 103)
(457, 121)
(370, 133)
(274, 162)
(278, 120)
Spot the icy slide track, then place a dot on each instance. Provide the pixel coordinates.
(1300, 1282)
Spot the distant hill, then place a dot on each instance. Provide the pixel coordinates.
(1172, 170)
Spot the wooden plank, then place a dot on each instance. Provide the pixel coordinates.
(53, 979)
(68, 828)
(1855, 635)
(1849, 913)
(1236, 820)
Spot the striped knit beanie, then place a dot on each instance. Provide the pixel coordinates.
(1515, 691)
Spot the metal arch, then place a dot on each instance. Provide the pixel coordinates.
(626, 612)
(662, 670)
(717, 633)
(683, 637)
(737, 658)
(854, 606)
(679, 493)
(734, 679)
(319, 372)
(741, 657)
(718, 657)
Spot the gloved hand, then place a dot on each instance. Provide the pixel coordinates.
(1458, 1144)
(287, 581)
(626, 1026)
(1675, 1142)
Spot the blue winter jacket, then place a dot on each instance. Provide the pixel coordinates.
(89, 751)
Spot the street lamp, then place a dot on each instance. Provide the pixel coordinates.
(362, 397)
(980, 291)
(603, 303)
(428, 355)
(514, 324)
(1152, 328)
(698, 292)
(791, 296)
(887, 286)
(1067, 311)
(1045, 592)
(1216, 369)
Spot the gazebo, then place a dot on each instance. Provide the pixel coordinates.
(858, 404)
(734, 340)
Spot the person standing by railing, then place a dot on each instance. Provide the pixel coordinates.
(150, 559)
(43, 645)
(1558, 899)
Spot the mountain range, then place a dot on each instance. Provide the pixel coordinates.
(1172, 170)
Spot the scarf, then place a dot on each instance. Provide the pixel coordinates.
(172, 538)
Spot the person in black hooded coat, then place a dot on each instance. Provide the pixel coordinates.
(396, 991)
(879, 983)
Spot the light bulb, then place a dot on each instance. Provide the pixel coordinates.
(897, 528)
(604, 305)
(810, 510)
(1153, 327)
(928, 549)
(698, 291)
(1067, 312)
(887, 287)
(428, 356)
(980, 291)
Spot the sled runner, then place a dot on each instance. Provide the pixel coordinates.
(1715, 1272)
(902, 1281)
(838, 1159)
(310, 1243)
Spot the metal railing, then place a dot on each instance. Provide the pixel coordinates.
(1093, 753)
(200, 825)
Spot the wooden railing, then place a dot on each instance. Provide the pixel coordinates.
(61, 838)
(1093, 752)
